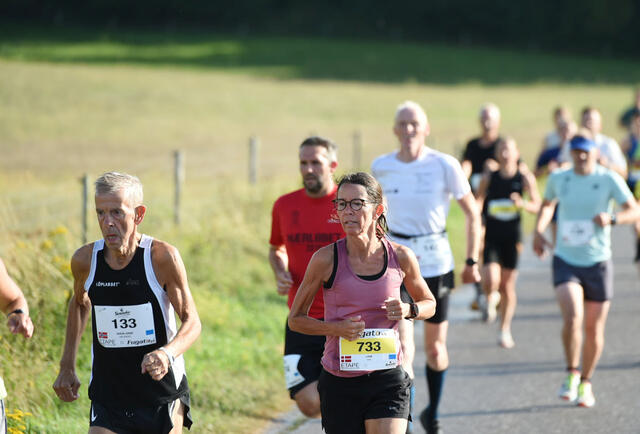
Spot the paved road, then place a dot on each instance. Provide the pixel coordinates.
(492, 390)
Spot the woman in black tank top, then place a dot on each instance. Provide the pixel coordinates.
(502, 195)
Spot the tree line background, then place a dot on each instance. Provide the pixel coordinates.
(589, 26)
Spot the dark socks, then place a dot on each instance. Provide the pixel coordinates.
(478, 289)
(435, 381)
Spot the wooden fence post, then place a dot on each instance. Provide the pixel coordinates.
(253, 159)
(178, 170)
(85, 207)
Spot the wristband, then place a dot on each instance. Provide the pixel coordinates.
(613, 219)
(169, 356)
(15, 311)
(414, 311)
(470, 262)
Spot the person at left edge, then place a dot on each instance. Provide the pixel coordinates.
(362, 387)
(131, 284)
(14, 305)
(302, 222)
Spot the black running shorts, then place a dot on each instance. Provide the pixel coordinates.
(503, 252)
(441, 286)
(138, 420)
(302, 354)
(596, 280)
(347, 402)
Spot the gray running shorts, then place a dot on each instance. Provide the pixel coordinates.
(596, 280)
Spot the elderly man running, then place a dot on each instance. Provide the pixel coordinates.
(131, 285)
(419, 183)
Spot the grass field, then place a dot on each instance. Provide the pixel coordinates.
(76, 102)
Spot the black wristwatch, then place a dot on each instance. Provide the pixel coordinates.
(414, 311)
(613, 219)
(470, 262)
(14, 311)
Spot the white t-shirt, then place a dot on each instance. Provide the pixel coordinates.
(418, 194)
(552, 140)
(610, 149)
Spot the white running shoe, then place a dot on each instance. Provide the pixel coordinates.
(505, 340)
(569, 389)
(585, 396)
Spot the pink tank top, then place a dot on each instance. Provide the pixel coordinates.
(350, 296)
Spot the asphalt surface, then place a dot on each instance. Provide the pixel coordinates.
(492, 390)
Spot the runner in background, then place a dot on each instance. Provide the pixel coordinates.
(610, 154)
(558, 155)
(549, 158)
(582, 266)
(478, 156)
(302, 222)
(627, 115)
(419, 183)
(501, 194)
(632, 151)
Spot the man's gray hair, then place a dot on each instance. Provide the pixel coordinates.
(489, 107)
(114, 182)
(411, 105)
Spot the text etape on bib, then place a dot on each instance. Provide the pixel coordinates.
(125, 326)
(376, 349)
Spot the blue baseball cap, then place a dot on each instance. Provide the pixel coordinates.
(582, 143)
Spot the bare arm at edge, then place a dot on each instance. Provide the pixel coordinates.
(12, 299)
(67, 383)
(471, 274)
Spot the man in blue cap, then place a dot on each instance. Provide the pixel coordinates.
(582, 267)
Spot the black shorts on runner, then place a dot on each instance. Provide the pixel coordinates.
(440, 286)
(501, 251)
(596, 280)
(142, 420)
(307, 349)
(346, 403)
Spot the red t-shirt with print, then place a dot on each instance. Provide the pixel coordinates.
(304, 224)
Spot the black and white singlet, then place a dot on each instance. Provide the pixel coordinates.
(131, 316)
(502, 218)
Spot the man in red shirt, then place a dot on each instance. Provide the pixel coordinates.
(302, 222)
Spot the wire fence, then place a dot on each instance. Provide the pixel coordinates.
(38, 205)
